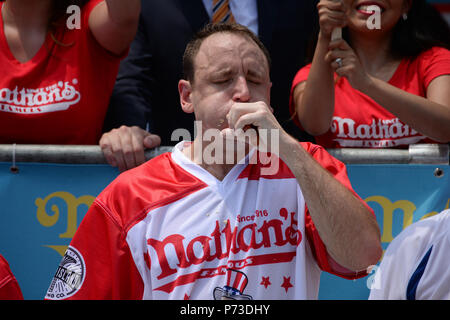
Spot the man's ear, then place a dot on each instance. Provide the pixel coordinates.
(185, 91)
(269, 95)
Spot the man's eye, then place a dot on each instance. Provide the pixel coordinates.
(221, 81)
(254, 80)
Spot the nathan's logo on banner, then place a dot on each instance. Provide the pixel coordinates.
(404, 206)
(57, 97)
(381, 133)
(58, 201)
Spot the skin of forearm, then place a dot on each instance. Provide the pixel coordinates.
(347, 228)
(316, 107)
(423, 115)
(114, 24)
(124, 12)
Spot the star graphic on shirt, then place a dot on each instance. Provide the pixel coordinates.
(265, 282)
(286, 283)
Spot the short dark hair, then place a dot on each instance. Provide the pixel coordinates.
(193, 46)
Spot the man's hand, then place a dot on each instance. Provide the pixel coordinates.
(253, 115)
(258, 114)
(124, 147)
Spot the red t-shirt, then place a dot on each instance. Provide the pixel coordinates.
(360, 122)
(61, 95)
(9, 288)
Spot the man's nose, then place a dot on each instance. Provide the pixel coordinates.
(241, 90)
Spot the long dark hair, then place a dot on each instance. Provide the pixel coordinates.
(424, 28)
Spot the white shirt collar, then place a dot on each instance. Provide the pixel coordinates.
(196, 170)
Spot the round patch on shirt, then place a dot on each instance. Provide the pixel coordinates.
(69, 277)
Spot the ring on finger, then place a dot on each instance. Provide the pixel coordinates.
(339, 62)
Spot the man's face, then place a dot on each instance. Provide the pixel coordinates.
(229, 68)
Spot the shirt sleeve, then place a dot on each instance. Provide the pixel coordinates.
(9, 287)
(415, 264)
(324, 260)
(434, 63)
(98, 263)
(391, 277)
(87, 10)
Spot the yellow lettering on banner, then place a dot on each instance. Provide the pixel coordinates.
(60, 249)
(388, 211)
(433, 213)
(72, 205)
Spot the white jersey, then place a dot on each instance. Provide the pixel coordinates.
(170, 230)
(416, 264)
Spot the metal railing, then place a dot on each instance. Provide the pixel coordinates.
(415, 154)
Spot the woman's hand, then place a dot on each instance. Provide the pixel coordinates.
(345, 63)
(331, 15)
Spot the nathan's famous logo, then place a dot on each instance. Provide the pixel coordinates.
(57, 201)
(381, 133)
(280, 232)
(57, 97)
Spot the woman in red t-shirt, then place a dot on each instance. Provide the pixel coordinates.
(385, 84)
(58, 64)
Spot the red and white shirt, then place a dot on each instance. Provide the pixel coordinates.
(9, 287)
(61, 95)
(360, 122)
(170, 230)
(415, 265)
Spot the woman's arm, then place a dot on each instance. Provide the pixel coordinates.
(345, 224)
(314, 98)
(429, 116)
(114, 23)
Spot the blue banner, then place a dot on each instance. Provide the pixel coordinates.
(399, 195)
(43, 204)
